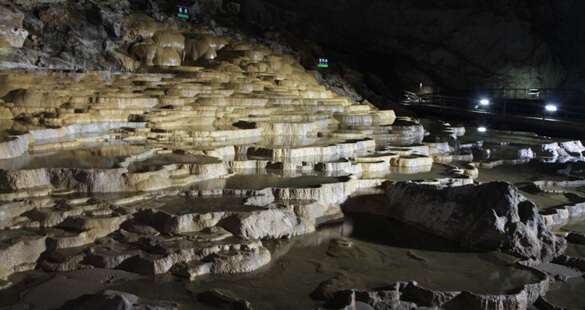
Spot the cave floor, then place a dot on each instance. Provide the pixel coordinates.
(231, 172)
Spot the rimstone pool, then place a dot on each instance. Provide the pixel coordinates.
(228, 176)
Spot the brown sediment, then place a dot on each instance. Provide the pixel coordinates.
(219, 147)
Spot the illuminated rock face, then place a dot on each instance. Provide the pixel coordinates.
(210, 147)
(12, 34)
(210, 108)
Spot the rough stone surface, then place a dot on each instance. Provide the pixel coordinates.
(212, 146)
(219, 299)
(117, 300)
(408, 295)
(454, 45)
(12, 33)
(491, 216)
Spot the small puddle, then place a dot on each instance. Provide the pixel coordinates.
(577, 226)
(186, 205)
(295, 141)
(532, 171)
(97, 157)
(260, 181)
(158, 161)
(436, 171)
(575, 250)
(560, 291)
(522, 175)
(502, 136)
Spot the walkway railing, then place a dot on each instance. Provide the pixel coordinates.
(560, 105)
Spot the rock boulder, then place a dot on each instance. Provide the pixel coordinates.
(491, 216)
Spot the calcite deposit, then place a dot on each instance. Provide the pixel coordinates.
(12, 34)
(491, 216)
(209, 108)
(411, 296)
(211, 147)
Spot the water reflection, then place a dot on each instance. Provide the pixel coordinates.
(159, 160)
(185, 205)
(259, 181)
(574, 287)
(96, 157)
(367, 252)
(576, 225)
(523, 175)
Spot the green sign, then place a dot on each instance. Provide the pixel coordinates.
(183, 12)
(323, 63)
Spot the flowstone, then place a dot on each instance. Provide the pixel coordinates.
(210, 148)
(210, 108)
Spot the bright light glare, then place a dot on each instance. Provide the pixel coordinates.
(551, 107)
(481, 129)
(484, 102)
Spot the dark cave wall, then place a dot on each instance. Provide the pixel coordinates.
(453, 45)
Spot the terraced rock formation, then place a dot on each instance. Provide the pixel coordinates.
(211, 147)
(179, 131)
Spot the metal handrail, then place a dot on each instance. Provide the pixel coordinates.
(518, 93)
(566, 110)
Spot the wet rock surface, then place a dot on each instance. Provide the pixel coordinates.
(57, 291)
(115, 300)
(411, 296)
(491, 216)
(218, 299)
(219, 163)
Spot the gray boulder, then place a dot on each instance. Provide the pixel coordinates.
(491, 216)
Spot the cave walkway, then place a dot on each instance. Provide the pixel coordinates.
(541, 110)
